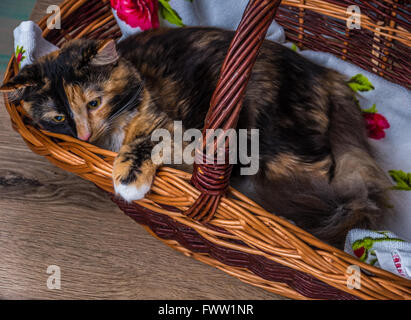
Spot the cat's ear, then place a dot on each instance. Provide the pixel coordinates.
(106, 53)
(17, 83)
(27, 77)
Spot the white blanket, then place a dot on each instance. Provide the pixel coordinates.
(381, 249)
(225, 14)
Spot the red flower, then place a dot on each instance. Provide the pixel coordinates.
(137, 13)
(19, 57)
(376, 124)
(359, 252)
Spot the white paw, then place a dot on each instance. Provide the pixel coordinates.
(130, 192)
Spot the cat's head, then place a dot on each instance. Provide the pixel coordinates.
(80, 90)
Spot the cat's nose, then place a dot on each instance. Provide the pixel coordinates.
(85, 136)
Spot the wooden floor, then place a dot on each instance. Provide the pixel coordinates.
(51, 217)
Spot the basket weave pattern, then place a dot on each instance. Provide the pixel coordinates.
(242, 239)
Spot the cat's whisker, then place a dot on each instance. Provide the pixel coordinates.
(110, 122)
(126, 106)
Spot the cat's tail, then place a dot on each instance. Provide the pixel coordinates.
(354, 196)
(326, 211)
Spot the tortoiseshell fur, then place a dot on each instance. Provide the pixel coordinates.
(315, 164)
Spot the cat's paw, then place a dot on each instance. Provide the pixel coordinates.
(132, 181)
(130, 192)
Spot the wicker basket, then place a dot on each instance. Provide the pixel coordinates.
(200, 215)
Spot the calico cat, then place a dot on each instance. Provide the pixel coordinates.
(316, 167)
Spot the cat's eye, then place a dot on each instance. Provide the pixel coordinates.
(59, 118)
(93, 104)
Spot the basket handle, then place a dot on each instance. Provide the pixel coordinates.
(213, 179)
